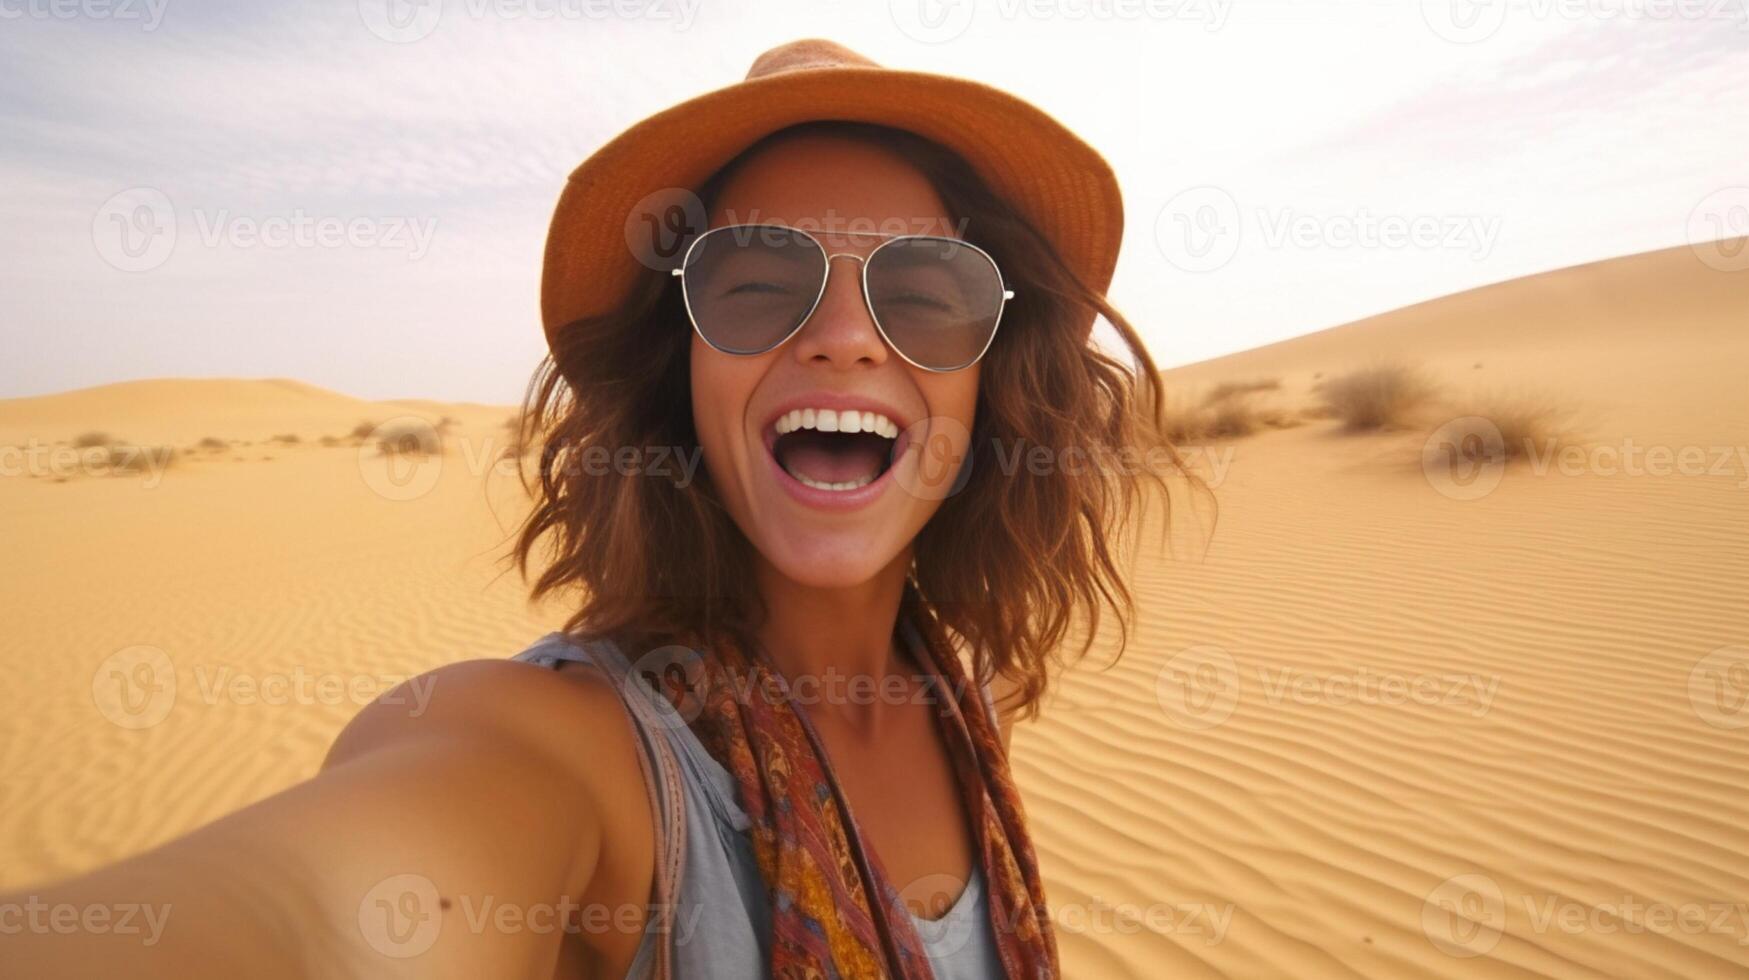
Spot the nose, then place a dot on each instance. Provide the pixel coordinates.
(841, 332)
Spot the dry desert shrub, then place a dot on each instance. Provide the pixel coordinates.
(1380, 397)
(1497, 427)
(1233, 417)
(409, 439)
(1189, 422)
(1185, 422)
(91, 440)
(212, 444)
(1227, 390)
(287, 439)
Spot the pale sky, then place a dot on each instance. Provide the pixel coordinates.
(1274, 157)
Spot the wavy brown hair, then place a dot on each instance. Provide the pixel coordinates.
(1006, 565)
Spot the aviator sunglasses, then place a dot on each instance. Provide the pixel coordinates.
(936, 301)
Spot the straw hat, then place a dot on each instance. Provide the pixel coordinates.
(620, 212)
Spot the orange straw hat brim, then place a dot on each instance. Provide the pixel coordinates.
(597, 249)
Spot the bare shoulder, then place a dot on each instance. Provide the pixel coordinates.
(566, 714)
(566, 730)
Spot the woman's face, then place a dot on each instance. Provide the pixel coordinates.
(787, 493)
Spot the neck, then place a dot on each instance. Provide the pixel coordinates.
(812, 631)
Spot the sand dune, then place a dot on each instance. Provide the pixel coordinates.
(1378, 697)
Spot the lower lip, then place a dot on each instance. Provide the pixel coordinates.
(836, 500)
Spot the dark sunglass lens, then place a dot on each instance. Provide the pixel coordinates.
(937, 299)
(749, 287)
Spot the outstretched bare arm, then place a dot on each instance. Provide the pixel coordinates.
(448, 844)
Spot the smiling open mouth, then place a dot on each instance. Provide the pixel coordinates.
(832, 450)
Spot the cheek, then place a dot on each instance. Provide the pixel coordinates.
(952, 400)
(953, 395)
(721, 387)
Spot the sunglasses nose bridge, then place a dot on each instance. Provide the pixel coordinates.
(860, 303)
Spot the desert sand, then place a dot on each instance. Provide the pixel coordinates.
(1403, 713)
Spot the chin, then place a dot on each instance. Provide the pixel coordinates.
(835, 561)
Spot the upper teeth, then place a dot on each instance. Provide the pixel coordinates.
(828, 420)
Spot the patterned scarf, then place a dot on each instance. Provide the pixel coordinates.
(817, 872)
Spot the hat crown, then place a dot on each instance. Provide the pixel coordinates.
(808, 53)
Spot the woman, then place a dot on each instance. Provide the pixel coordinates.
(767, 742)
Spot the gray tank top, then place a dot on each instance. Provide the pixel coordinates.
(719, 923)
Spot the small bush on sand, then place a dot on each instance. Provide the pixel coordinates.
(1189, 423)
(213, 444)
(1506, 427)
(91, 440)
(1185, 422)
(288, 439)
(1385, 396)
(363, 429)
(1232, 389)
(1233, 418)
(331, 441)
(409, 439)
